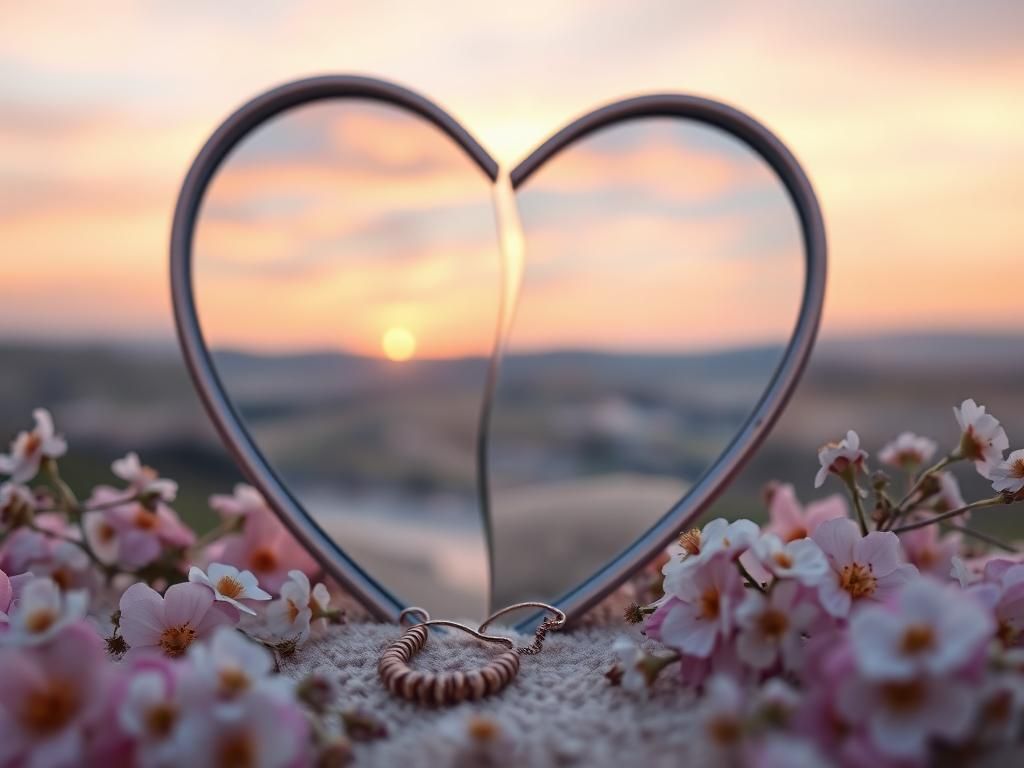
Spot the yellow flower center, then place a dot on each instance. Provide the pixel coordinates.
(229, 586)
(858, 580)
(40, 621)
(233, 681)
(293, 611)
(33, 444)
(263, 559)
(998, 709)
(773, 623)
(917, 639)
(237, 751)
(62, 577)
(796, 533)
(160, 720)
(105, 533)
(971, 446)
(175, 640)
(724, 730)
(690, 541)
(903, 697)
(144, 519)
(48, 709)
(710, 604)
(1017, 469)
(925, 558)
(782, 560)
(1006, 634)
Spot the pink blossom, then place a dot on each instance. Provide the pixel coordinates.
(982, 438)
(818, 716)
(41, 611)
(1002, 591)
(259, 727)
(1008, 476)
(721, 721)
(903, 716)
(908, 451)
(704, 610)
(51, 695)
(931, 552)
(696, 547)
(868, 568)
(1000, 710)
(229, 585)
(150, 708)
(56, 555)
(772, 626)
(6, 595)
(30, 448)
(16, 505)
(800, 559)
(949, 496)
(790, 521)
(844, 459)
(927, 629)
(170, 624)
(144, 480)
(231, 666)
(264, 547)
(299, 613)
(134, 534)
(245, 501)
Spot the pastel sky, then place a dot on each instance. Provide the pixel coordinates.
(907, 117)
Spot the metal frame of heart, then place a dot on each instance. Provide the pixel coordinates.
(255, 466)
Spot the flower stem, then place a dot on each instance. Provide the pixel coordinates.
(994, 501)
(229, 525)
(97, 507)
(923, 477)
(105, 569)
(980, 536)
(858, 505)
(751, 581)
(67, 497)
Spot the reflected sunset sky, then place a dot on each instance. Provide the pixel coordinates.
(907, 118)
(343, 220)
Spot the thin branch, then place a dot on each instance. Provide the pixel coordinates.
(995, 500)
(751, 581)
(937, 467)
(981, 536)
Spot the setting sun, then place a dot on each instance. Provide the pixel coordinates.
(398, 344)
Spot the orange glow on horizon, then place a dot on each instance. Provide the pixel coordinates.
(912, 141)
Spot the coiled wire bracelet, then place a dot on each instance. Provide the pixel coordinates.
(444, 688)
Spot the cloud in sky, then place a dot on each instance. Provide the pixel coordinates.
(907, 117)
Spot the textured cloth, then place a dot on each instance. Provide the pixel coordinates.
(559, 711)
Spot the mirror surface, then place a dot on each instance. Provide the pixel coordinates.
(346, 278)
(662, 279)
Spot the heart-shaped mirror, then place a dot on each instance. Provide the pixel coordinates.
(449, 424)
(662, 280)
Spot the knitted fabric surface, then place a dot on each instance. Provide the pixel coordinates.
(559, 711)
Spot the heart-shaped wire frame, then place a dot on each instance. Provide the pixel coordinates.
(239, 442)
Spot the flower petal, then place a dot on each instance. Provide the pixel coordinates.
(142, 615)
(186, 604)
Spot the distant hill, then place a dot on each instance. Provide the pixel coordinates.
(322, 407)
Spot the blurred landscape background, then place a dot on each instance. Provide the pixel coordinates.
(115, 398)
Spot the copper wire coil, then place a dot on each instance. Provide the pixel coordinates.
(441, 688)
